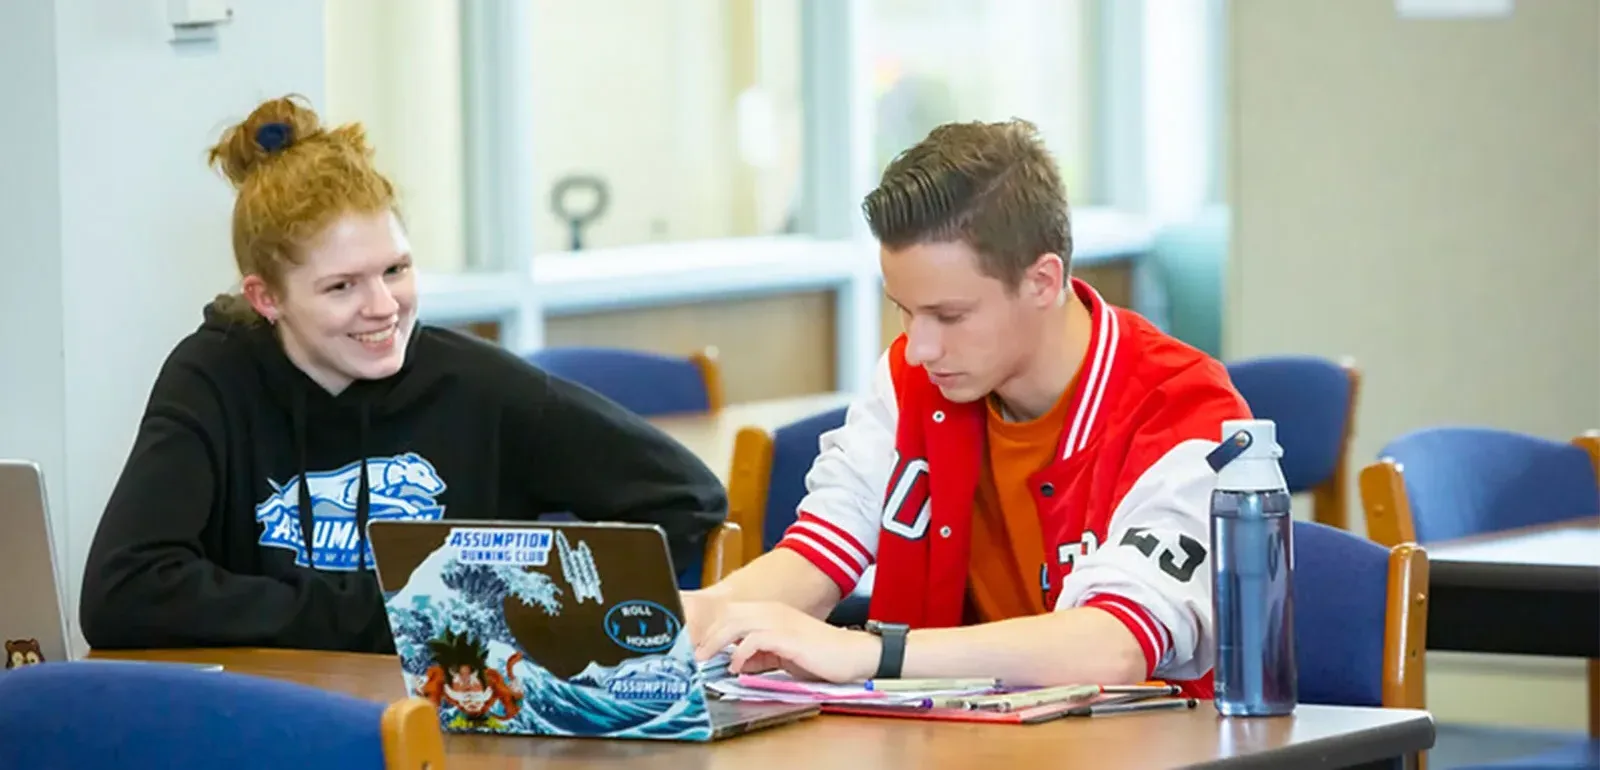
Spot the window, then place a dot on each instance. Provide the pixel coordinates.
(668, 120)
(396, 69)
(936, 61)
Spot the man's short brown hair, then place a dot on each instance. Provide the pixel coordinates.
(993, 186)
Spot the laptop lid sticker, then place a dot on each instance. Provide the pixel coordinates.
(503, 638)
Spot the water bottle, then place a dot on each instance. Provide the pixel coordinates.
(1252, 572)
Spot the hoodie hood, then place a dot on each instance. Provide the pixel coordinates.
(302, 399)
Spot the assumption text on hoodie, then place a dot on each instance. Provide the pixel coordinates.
(240, 517)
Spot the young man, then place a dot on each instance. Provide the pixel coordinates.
(1028, 473)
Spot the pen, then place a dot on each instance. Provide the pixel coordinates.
(1026, 698)
(1123, 708)
(1150, 689)
(908, 685)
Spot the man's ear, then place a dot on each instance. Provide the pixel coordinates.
(1045, 281)
(257, 293)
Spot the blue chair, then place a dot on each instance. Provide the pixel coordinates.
(645, 383)
(1452, 482)
(767, 480)
(125, 714)
(1360, 619)
(1313, 402)
(767, 483)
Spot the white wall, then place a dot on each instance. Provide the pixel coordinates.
(1425, 196)
(32, 388)
(124, 230)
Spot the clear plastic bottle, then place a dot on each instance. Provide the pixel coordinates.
(1252, 571)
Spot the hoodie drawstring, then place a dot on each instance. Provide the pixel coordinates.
(307, 521)
(364, 495)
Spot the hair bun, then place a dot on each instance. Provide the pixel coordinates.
(273, 128)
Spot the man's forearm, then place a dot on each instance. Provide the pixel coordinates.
(783, 576)
(1075, 646)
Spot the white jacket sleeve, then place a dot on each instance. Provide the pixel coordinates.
(837, 524)
(1153, 571)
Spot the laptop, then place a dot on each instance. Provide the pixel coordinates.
(551, 628)
(32, 624)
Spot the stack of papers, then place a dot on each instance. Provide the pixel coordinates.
(982, 700)
(780, 687)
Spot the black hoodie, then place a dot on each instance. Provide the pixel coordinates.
(241, 458)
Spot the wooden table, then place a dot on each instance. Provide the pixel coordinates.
(1534, 591)
(711, 436)
(1315, 737)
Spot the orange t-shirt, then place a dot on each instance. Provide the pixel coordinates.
(1007, 547)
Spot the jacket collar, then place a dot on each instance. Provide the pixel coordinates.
(1090, 391)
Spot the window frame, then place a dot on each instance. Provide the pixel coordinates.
(519, 289)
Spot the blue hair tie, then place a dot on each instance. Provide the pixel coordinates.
(273, 137)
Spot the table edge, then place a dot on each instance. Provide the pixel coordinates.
(1516, 576)
(1417, 733)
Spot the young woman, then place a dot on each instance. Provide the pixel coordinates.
(313, 402)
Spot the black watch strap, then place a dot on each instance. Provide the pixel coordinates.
(893, 657)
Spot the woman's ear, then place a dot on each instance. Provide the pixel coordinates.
(260, 297)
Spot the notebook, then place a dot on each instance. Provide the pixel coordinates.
(551, 628)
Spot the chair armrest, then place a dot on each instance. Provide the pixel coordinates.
(411, 736)
(749, 481)
(724, 553)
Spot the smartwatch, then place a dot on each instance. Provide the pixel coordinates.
(893, 656)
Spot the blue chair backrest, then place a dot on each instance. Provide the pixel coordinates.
(116, 714)
(647, 384)
(1466, 480)
(794, 447)
(1341, 595)
(1308, 397)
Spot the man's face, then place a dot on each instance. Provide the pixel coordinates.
(964, 327)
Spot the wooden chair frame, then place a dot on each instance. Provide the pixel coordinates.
(1330, 500)
(1388, 510)
(1405, 638)
(706, 361)
(749, 479)
(724, 553)
(412, 739)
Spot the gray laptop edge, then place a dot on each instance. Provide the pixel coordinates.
(32, 623)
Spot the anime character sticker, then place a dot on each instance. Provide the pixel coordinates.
(461, 678)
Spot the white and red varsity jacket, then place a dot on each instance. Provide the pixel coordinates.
(1124, 512)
